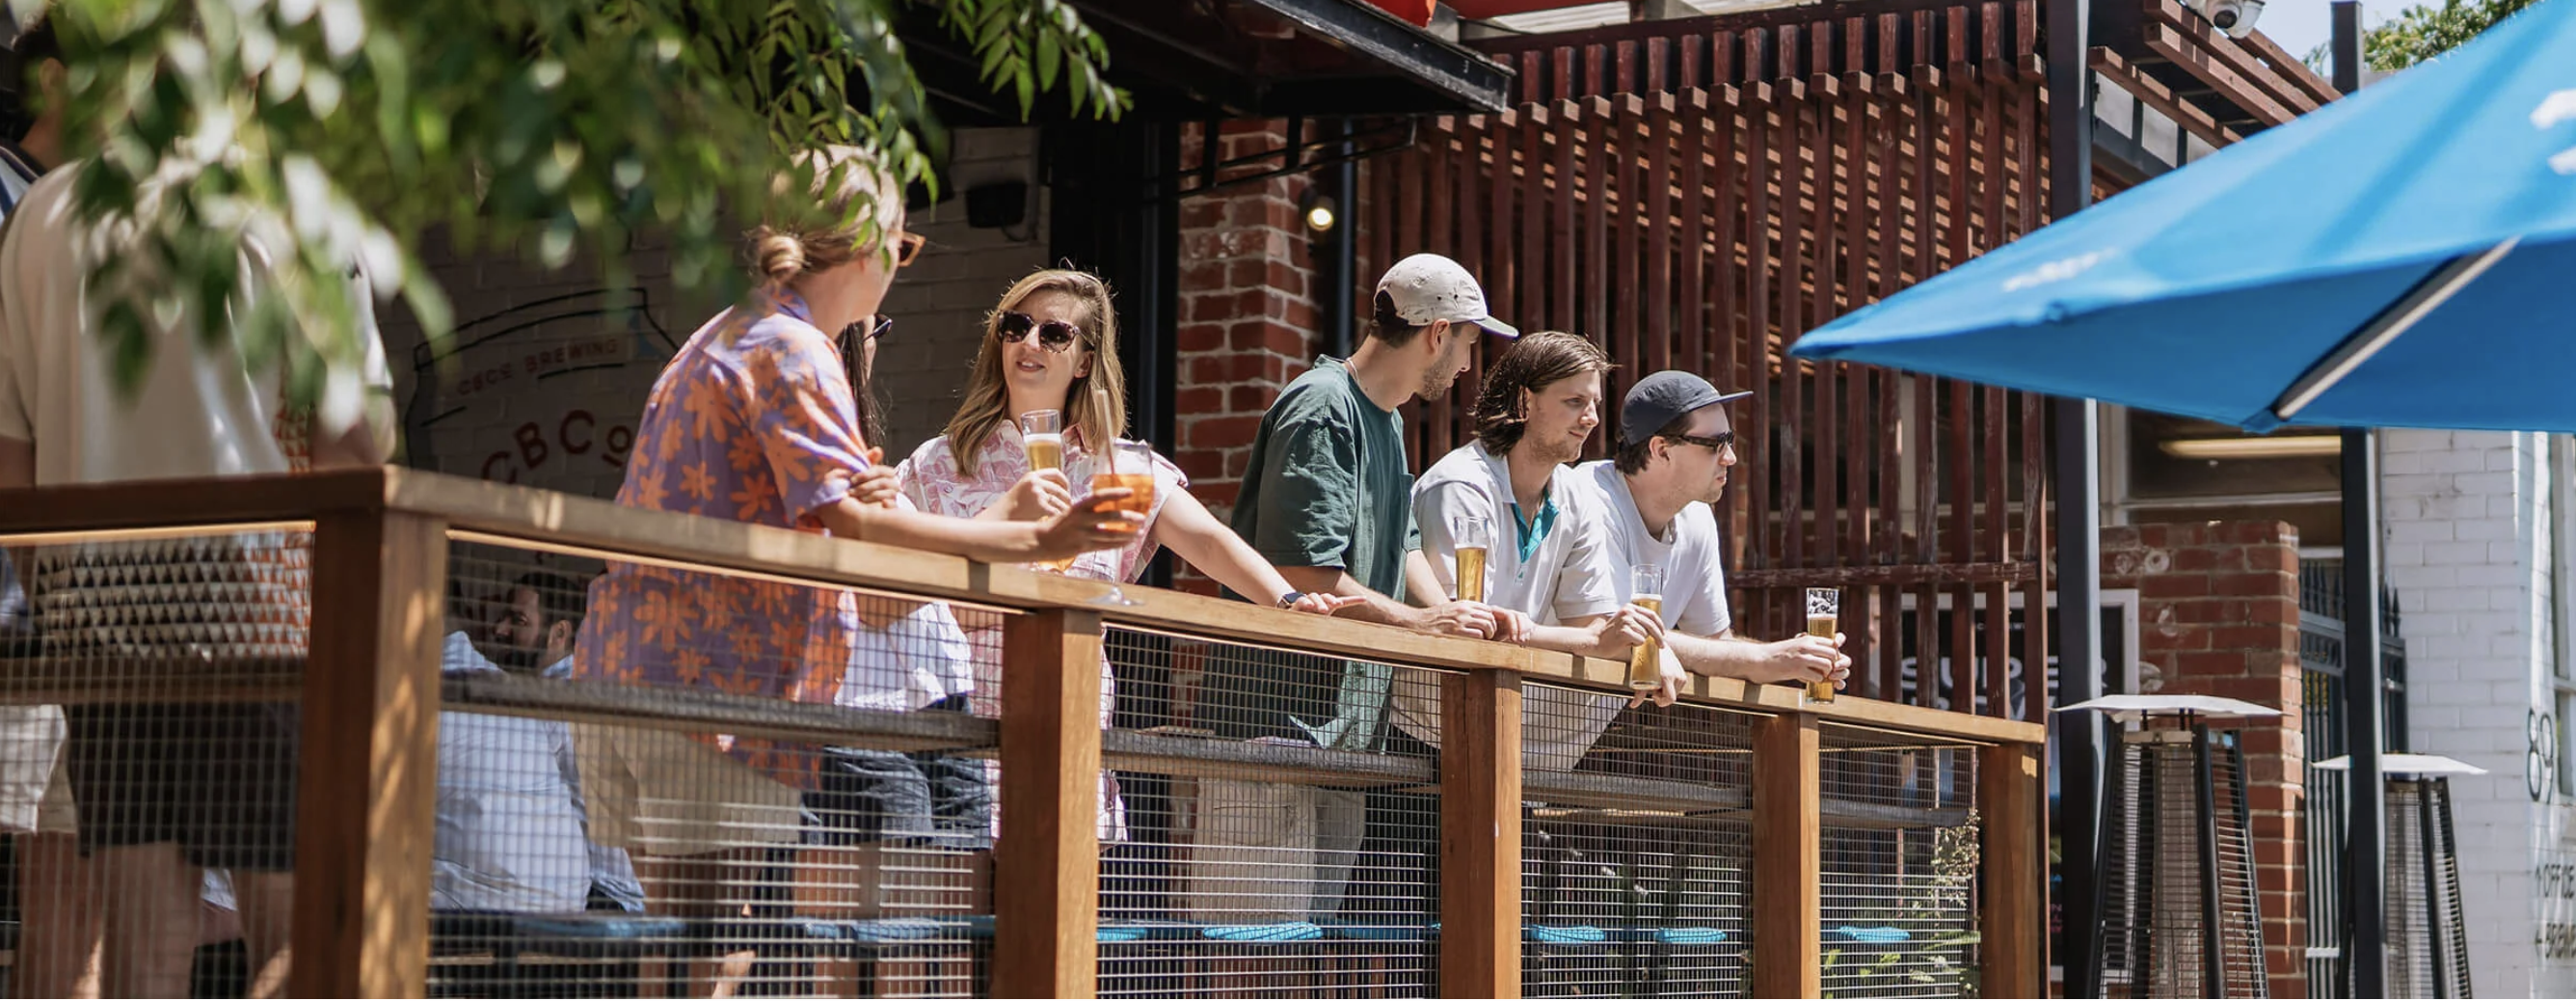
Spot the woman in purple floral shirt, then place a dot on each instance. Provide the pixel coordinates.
(755, 421)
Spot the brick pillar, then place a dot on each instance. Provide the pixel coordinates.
(1248, 319)
(2219, 615)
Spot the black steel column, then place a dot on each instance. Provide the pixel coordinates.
(2076, 454)
(2365, 682)
(1338, 298)
(1107, 217)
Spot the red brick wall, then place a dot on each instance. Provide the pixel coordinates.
(2219, 615)
(1248, 318)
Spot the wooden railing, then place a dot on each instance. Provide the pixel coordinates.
(372, 690)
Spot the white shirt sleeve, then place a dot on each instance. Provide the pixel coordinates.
(1589, 583)
(1704, 612)
(1435, 502)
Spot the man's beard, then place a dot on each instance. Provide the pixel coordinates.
(1436, 383)
(515, 658)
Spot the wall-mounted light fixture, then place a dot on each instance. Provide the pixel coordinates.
(1319, 210)
(2294, 446)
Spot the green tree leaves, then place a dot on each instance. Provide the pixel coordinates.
(337, 132)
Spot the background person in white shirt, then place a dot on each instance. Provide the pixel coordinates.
(1676, 446)
(58, 910)
(1550, 560)
(154, 810)
(513, 835)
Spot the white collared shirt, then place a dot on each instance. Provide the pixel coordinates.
(512, 831)
(1567, 574)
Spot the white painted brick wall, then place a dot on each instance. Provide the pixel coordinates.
(553, 423)
(2466, 529)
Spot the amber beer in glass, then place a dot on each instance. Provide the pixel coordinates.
(1646, 662)
(1042, 435)
(1824, 607)
(1127, 465)
(1472, 536)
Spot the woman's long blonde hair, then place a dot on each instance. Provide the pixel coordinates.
(988, 402)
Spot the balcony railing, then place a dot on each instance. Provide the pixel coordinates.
(1740, 843)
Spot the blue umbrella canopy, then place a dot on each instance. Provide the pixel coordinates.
(2403, 257)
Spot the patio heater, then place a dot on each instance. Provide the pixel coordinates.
(2176, 909)
(2428, 944)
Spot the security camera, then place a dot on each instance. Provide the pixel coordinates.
(2235, 17)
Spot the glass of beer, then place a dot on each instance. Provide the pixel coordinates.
(1646, 662)
(1129, 465)
(1824, 607)
(1471, 534)
(1042, 434)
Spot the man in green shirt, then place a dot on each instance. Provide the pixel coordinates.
(1327, 498)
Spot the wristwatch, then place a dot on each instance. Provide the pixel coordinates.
(1290, 599)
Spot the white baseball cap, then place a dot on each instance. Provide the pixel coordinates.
(1427, 287)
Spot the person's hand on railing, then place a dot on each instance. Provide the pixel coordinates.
(1615, 634)
(1675, 676)
(1325, 604)
(1802, 659)
(1096, 520)
(1471, 619)
(874, 486)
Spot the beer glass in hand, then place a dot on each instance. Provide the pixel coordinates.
(1471, 534)
(1645, 662)
(1042, 434)
(1128, 465)
(1824, 607)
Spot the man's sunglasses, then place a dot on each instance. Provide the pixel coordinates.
(1055, 335)
(906, 247)
(1718, 442)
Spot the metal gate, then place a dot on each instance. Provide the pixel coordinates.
(2321, 643)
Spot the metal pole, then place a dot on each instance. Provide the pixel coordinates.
(1341, 288)
(2365, 682)
(2076, 455)
(2213, 910)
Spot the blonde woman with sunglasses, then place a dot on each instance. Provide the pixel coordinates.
(1052, 345)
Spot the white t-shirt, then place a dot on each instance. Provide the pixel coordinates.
(1567, 573)
(1689, 552)
(196, 412)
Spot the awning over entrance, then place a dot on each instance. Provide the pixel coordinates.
(1203, 59)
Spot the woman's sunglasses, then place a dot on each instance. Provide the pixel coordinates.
(869, 330)
(1055, 335)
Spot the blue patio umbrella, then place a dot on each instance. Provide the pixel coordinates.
(2404, 257)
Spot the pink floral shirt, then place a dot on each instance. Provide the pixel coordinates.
(753, 421)
(932, 480)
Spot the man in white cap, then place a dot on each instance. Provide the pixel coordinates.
(1327, 499)
(1675, 449)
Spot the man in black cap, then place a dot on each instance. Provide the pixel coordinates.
(1675, 448)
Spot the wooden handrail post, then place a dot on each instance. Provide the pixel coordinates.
(1788, 858)
(1480, 835)
(1046, 869)
(369, 733)
(2013, 944)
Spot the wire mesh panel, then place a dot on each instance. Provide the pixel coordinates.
(1280, 831)
(654, 779)
(2428, 954)
(148, 743)
(1901, 836)
(1635, 847)
(2179, 914)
